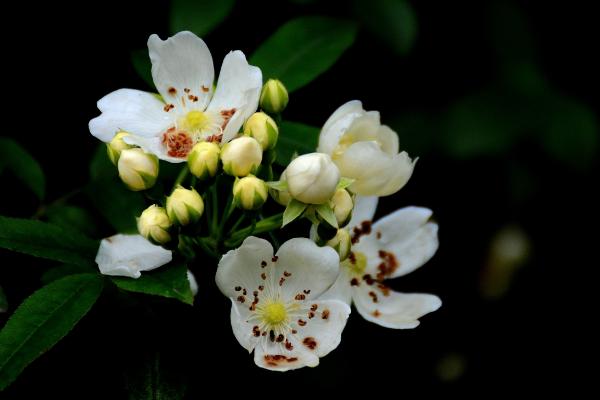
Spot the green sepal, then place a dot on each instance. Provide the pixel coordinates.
(293, 210)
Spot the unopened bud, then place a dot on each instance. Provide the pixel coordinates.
(241, 156)
(274, 97)
(249, 193)
(203, 160)
(116, 146)
(312, 178)
(262, 128)
(184, 206)
(154, 225)
(138, 169)
(342, 205)
(342, 243)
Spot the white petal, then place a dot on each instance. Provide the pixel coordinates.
(323, 332)
(182, 62)
(139, 113)
(304, 269)
(396, 310)
(340, 290)
(153, 145)
(376, 172)
(337, 124)
(128, 255)
(242, 267)
(388, 139)
(364, 210)
(275, 357)
(193, 284)
(238, 88)
(408, 236)
(242, 329)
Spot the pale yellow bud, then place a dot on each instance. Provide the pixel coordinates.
(342, 205)
(138, 169)
(342, 243)
(312, 178)
(249, 193)
(281, 196)
(262, 128)
(203, 160)
(184, 206)
(241, 156)
(154, 225)
(116, 146)
(274, 96)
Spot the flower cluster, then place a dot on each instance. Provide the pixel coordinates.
(289, 305)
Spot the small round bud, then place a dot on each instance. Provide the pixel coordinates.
(203, 160)
(116, 146)
(262, 128)
(138, 169)
(342, 243)
(154, 225)
(249, 193)
(274, 97)
(241, 156)
(342, 205)
(312, 178)
(184, 206)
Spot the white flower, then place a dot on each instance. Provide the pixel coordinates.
(365, 150)
(128, 255)
(312, 178)
(274, 308)
(391, 247)
(183, 72)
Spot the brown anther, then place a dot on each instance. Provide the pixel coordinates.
(310, 342)
(288, 346)
(354, 282)
(261, 288)
(263, 276)
(204, 89)
(238, 288)
(187, 90)
(281, 280)
(263, 264)
(325, 314)
(301, 322)
(241, 299)
(358, 231)
(300, 296)
(314, 307)
(376, 313)
(168, 107)
(287, 274)
(280, 338)
(311, 315)
(275, 258)
(373, 297)
(306, 291)
(272, 335)
(172, 91)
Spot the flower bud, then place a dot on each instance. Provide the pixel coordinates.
(282, 197)
(184, 206)
(342, 205)
(262, 128)
(312, 178)
(249, 193)
(241, 156)
(154, 225)
(116, 146)
(137, 169)
(342, 243)
(274, 97)
(203, 160)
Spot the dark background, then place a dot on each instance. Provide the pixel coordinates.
(60, 59)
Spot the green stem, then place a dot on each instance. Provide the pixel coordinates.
(215, 206)
(266, 225)
(237, 224)
(181, 177)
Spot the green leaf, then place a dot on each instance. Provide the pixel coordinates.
(41, 239)
(141, 64)
(18, 161)
(167, 281)
(3, 301)
(303, 48)
(293, 210)
(63, 270)
(156, 375)
(43, 319)
(392, 21)
(325, 211)
(295, 138)
(199, 16)
(100, 166)
(71, 217)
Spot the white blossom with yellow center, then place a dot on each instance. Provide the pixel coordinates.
(394, 246)
(190, 110)
(275, 306)
(365, 151)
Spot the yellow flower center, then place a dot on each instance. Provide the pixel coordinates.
(356, 263)
(195, 121)
(274, 313)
